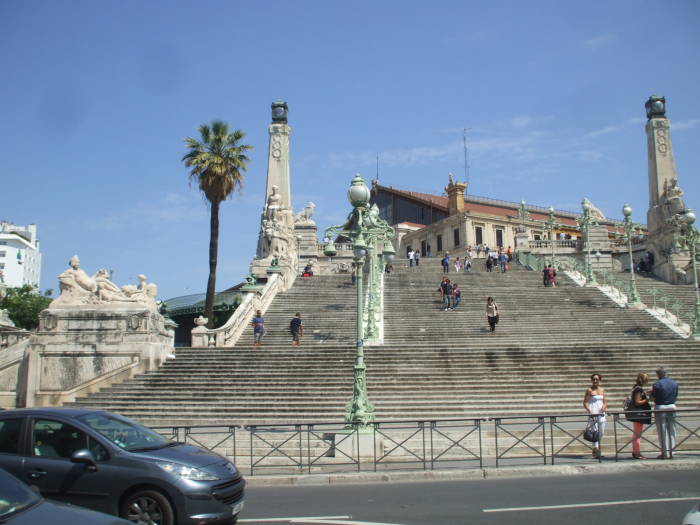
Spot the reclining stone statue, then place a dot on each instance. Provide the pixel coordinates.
(79, 289)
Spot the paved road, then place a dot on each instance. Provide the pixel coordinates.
(662, 498)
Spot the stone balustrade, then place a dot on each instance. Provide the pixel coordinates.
(12, 337)
(253, 300)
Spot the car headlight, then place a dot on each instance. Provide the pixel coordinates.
(231, 467)
(185, 472)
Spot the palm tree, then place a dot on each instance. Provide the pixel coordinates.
(217, 162)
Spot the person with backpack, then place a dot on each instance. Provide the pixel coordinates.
(489, 263)
(638, 410)
(552, 276)
(545, 277)
(446, 263)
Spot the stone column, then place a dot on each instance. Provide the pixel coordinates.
(662, 165)
(278, 155)
(665, 197)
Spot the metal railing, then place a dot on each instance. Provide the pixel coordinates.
(432, 444)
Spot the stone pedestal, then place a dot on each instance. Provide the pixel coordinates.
(347, 443)
(522, 240)
(600, 244)
(81, 349)
(306, 238)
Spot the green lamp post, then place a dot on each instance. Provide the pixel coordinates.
(633, 300)
(551, 224)
(368, 232)
(691, 237)
(585, 222)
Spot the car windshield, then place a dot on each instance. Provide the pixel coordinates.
(124, 433)
(14, 496)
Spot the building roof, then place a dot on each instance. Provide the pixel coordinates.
(486, 205)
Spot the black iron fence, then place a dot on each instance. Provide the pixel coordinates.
(438, 444)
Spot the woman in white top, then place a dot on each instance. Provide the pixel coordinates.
(596, 405)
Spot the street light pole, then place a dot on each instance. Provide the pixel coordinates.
(633, 300)
(551, 224)
(691, 240)
(585, 223)
(367, 232)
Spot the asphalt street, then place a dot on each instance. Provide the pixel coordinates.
(654, 497)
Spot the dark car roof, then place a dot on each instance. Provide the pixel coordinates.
(47, 411)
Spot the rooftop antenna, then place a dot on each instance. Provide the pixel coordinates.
(466, 158)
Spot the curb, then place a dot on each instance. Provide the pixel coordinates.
(529, 471)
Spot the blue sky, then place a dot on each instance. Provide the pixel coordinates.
(97, 97)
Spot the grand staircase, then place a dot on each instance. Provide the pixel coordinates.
(434, 364)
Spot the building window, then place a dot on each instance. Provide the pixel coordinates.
(2, 266)
(2, 254)
(423, 248)
(439, 243)
(3, 243)
(479, 235)
(455, 234)
(499, 238)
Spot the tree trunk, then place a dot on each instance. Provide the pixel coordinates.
(213, 255)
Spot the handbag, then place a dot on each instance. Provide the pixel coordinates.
(592, 432)
(637, 413)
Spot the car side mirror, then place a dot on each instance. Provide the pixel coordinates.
(85, 457)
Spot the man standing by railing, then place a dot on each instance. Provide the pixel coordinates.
(664, 394)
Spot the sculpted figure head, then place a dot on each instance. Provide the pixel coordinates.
(74, 262)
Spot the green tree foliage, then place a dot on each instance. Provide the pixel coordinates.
(24, 304)
(217, 162)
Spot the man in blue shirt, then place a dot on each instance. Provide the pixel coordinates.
(664, 394)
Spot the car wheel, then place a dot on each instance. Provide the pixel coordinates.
(147, 507)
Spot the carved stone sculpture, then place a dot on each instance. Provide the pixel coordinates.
(79, 289)
(304, 216)
(595, 212)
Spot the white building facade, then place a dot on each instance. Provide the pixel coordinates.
(20, 258)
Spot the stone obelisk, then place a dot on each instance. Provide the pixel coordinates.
(278, 155)
(277, 251)
(665, 197)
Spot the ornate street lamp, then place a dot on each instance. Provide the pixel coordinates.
(523, 215)
(552, 223)
(691, 236)
(585, 223)
(371, 241)
(297, 238)
(633, 300)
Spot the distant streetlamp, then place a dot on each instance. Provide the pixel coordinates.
(297, 238)
(371, 242)
(551, 224)
(691, 236)
(633, 300)
(585, 223)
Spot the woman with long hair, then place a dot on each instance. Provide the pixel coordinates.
(640, 413)
(595, 404)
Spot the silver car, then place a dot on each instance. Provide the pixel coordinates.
(108, 463)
